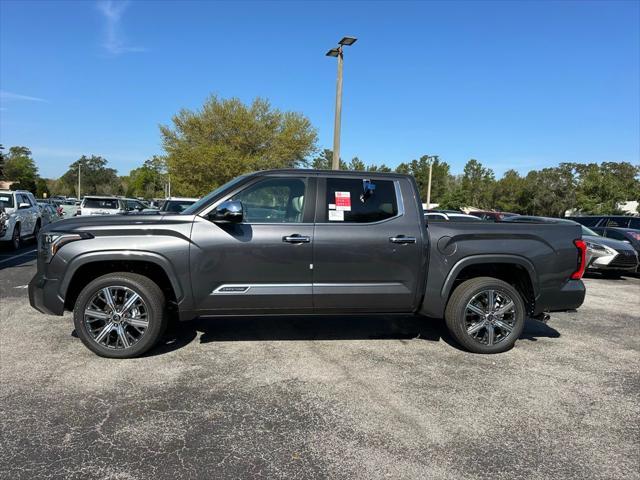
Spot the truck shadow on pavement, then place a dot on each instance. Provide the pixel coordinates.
(377, 327)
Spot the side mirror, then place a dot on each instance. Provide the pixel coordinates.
(227, 212)
(23, 205)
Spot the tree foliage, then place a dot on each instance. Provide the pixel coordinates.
(226, 138)
(95, 178)
(20, 168)
(440, 176)
(149, 180)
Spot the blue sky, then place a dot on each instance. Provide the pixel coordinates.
(514, 84)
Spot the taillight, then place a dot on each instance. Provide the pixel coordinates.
(582, 259)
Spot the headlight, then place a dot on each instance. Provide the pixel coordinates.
(52, 242)
(602, 249)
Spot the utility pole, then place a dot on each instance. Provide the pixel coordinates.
(429, 184)
(337, 52)
(79, 165)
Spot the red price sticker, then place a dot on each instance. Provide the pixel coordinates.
(343, 201)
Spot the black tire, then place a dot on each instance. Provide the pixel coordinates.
(456, 314)
(154, 301)
(15, 237)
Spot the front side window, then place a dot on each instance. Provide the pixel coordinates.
(350, 200)
(273, 200)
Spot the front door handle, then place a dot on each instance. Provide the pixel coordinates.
(295, 238)
(402, 239)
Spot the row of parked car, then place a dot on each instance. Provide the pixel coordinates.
(613, 241)
(22, 215)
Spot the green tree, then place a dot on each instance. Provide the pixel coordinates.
(549, 192)
(226, 138)
(508, 192)
(357, 165)
(324, 159)
(440, 176)
(379, 168)
(1, 162)
(601, 187)
(147, 181)
(454, 198)
(19, 167)
(477, 184)
(42, 188)
(95, 178)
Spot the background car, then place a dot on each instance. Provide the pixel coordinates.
(612, 258)
(21, 218)
(102, 205)
(177, 204)
(629, 235)
(49, 213)
(134, 205)
(449, 217)
(491, 215)
(622, 221)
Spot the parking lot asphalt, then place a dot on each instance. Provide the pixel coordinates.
(322, 397)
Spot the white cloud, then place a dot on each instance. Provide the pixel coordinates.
(10, 96)
(115, 42)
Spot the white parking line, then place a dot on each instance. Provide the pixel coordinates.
(18, 256)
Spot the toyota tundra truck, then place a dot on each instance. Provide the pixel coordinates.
(284, 242)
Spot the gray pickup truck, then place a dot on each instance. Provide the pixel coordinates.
(304, 242)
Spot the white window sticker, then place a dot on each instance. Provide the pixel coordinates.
(332, 206)
(4, 199)
(343, 201)
(336, 215)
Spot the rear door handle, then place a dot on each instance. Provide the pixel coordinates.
(295, 238)
(402, 239)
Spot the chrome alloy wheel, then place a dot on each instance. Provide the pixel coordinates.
(116, 317)
(490, 317)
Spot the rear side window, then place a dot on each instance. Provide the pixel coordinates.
(634, 223)
(346, 201)
(617, 222)
(109, 203)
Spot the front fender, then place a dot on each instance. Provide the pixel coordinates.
(124, 255)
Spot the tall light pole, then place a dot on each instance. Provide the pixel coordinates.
(79, 181)
(337, 52)
(431, 159)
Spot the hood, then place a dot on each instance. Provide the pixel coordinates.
(105, 222)
(609, 242)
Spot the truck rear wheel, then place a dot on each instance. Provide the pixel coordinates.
(485, 315)
(120, 315)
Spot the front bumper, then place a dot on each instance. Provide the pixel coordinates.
(43, 295)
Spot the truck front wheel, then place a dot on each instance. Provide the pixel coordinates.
(120, 315)
(485, 315)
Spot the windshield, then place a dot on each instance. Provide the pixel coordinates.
(6, 200)
(588, 231)
(110, 203)
(176, 206)
(207, 198)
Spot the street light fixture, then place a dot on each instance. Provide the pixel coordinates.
(337, 52)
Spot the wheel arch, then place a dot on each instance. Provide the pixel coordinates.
(513, 269)
(87, 267)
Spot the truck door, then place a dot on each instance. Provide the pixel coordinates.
(263, 264)
(368, 245)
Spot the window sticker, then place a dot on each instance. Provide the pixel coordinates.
(336, 215)
(343, 201)
(4, 199)
(332, 206)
